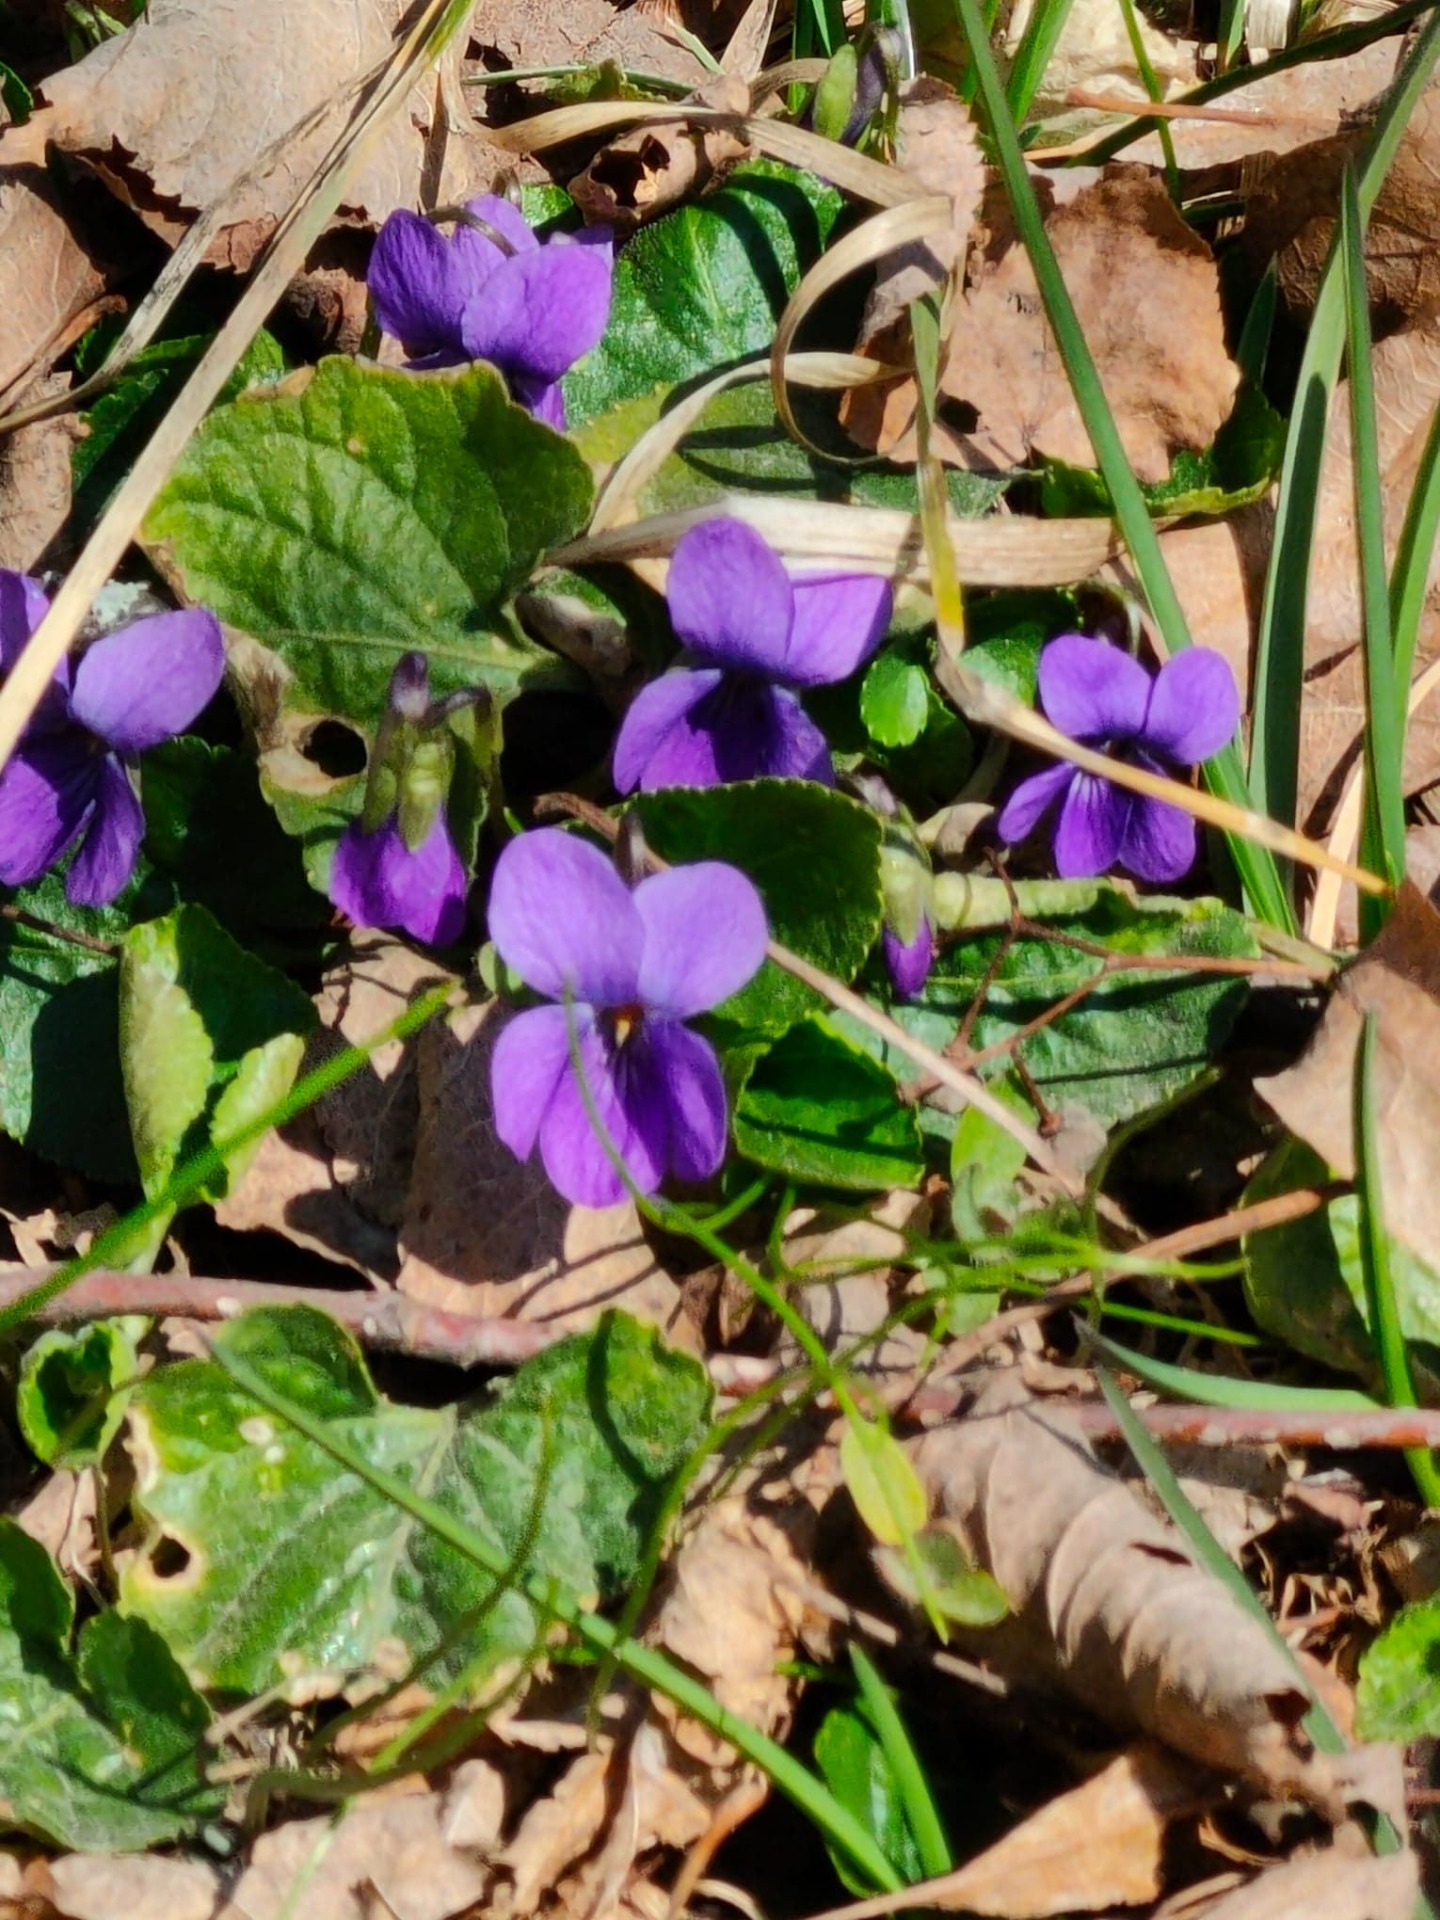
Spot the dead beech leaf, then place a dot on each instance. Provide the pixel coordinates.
(557, 33)
(1334, 1885)
(622, 1790)
(734, 1612)
(88, 1886)
(1397, 978)
(1094, 51)
(483, 1234)
(173, 112)
(386, 1849)
(1100, 1845)
(1147, 293)
(47, 278)
(336, 1180)
(35, 481)
(1107, 1604)
(935, 143)
(849, 1297)
(652, 168)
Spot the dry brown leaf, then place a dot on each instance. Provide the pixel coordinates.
(1107, 1604)
(1397, 978)
(1147, 294)
(393, 1847)
(172, 113)
(644, 172)
(847, 1306)
(1334, 1885)
(483, 1234)
(87, 1886)
(555, 33)
(1100, 1845)
(35, 481)
(624, 1791)
(734, 1612)
(935, 143)
(47, 278)
(1291, 212)
(336, 1180)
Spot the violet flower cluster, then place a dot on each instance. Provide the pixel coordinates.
(67, 781)
(493, 291)
(629, 969)
(1104, 699)
(752, 634)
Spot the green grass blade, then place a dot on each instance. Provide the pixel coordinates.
(1280, 652)
(1214, 1390)
(1257, 867)
(645, 1664)
(1253, 349)
(1383, 833)
(1384, 1313)
(1037, 44)
(1410, 579)
(921, 1814)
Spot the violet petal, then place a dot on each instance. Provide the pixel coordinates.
(531, 1054)
(380, 882)
(705, 936)
(539, 312)
(840, 619)
(631, 1107)
(420, 283)
(653, 716)
(1091, 690)
(563, 918)
(1031, 800)
(730, 599)
(1088, 835)
(148, 681)
(507, 220)
(1159, 841)
(107, 856)
(909, 965)
(1194, 707)
(23, 606)
(544, 399)
(47, 794)
(684, 1065)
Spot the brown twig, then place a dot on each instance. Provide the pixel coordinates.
(1275, 1212)
(89, 941)
(386, 1321)
(1346, 1432)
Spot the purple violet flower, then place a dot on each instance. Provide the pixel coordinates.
(752, 634)
(378, 881)
(635, 966)
(909, 965)
(530, 307)
(67, 779)
(1103, 698)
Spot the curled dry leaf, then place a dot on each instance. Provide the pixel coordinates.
(734, 1613)
(47, 277)
(644, 172)
(483, 1234)
(172, 113)
(1147, 293)
(1107, 1604)
(623, 1795)
(1100, 1845)
(1397, 978)
(1334, 1885)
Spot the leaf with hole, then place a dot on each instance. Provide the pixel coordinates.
(264, 1562)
